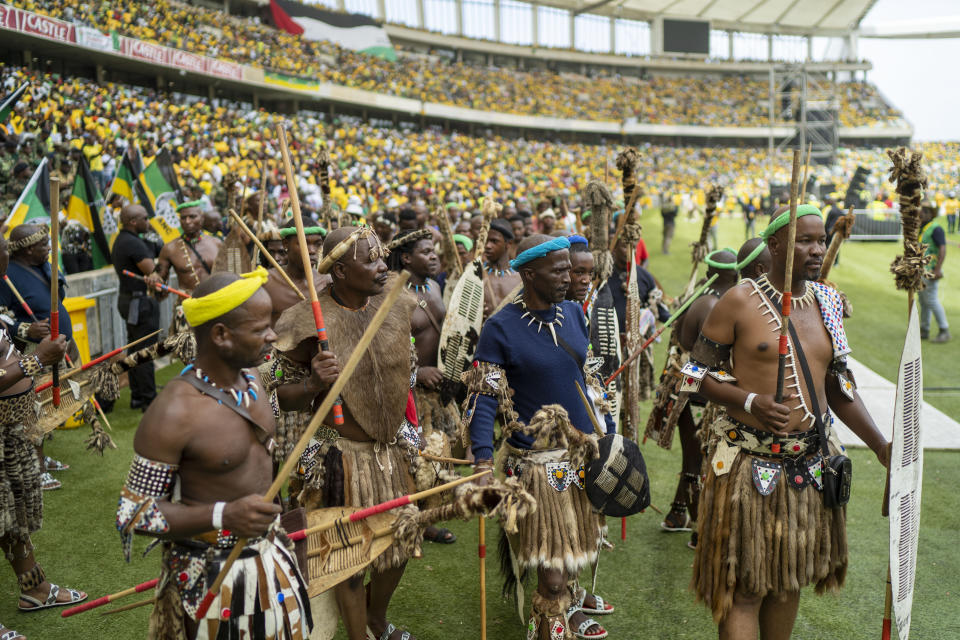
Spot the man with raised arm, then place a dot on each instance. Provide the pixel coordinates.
(768, 526)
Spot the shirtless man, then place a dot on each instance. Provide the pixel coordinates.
(499, 280)
(414, 252)
(683, 509)
(280, 293)
(197, 443)
(753, 259)
(765, 483)
(192, 254)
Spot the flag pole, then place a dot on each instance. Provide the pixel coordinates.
(55, 278)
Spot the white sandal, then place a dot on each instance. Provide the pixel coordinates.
(51, 601)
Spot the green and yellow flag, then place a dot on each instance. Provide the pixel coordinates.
(126, 177)
(34, 203)
(159, 192)
(84, 206)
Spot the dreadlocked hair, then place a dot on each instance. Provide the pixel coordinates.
(910, 179)
(403, 244)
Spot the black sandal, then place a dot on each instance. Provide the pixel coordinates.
(440, 535)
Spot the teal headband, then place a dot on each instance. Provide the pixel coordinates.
(542, 249)
(464, 240)
(187, 205)
(721, 265)
(784, 219)
(753, 256)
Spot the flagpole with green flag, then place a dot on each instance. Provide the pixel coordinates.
(159, 192)
(84, 207)
(34, 202)
(6, 108)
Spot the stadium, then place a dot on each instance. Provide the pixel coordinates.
(413, 116)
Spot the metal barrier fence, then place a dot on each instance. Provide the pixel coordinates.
(879, 224)
(106, 330)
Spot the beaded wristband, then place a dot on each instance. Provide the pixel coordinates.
(31, 366)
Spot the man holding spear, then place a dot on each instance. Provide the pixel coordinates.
(768, 522)
(207, 440)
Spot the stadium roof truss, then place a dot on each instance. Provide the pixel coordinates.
(799, 17)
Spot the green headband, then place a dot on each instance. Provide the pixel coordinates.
(753, 256)
(307, 231)
(784, 219)
(187, 205)
(464, 240)
(721, 265)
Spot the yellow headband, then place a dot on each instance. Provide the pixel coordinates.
(199, 311)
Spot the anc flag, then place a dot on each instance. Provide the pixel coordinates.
(159, 192)
(130, 167)
(84, 206)
(6, 107)
(34, 204)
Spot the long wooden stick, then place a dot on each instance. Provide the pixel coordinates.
(128, 607)
(366, 512)
(55, 278)
(788, 278)
(263, 201)
(157, 285)
(443, 459)
(806, 167)
(94, 362)
(670, 320)
(99, 602)
(482, 554)
(586, 405)
(836, 240)
(322, 343)
(263, 250)
(294, 457)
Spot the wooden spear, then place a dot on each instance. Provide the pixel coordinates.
(788, 278)
(263, 201)
(99, 602)
(55, 278)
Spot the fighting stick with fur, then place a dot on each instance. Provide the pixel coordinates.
(841, 231)
(629, 225)
(323, 160)
(597, 198)
(910, 179)
(699, 249)
(451, 257)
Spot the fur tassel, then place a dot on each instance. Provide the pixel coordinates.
(99, 439)
(166, 619)
(107, 383)
(908, 175)
(185, 346)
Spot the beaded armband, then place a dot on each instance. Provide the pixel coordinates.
(838, 367)
(706, 357)
(485, 379)
(30, 365)
(147, 482)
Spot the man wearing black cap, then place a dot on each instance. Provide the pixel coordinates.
(499, 280)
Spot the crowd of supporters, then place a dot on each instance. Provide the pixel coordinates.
(375, 169)
(695, 100)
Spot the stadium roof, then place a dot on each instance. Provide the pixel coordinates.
(828, 17)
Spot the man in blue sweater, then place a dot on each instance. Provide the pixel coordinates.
(538, 346)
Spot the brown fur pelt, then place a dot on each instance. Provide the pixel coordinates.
(434, 415)
(99, 439)
(384, 368)
(428, 474)
(597, 197)
(474, 379)
(910, 179)
(166, 619)
(372, 473)
(550, 428)
(763, 545)
(21, 502)
(233, 255)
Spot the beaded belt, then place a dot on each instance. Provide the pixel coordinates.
(764, 443)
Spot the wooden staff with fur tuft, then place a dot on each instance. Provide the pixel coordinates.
(788, 278)
(324, 344)
(55, 278)
(293, 458)
(627, 162)
(451, 261)
(700, 249)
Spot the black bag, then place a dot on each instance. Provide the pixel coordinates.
(837, 470)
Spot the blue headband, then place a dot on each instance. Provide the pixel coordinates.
(575, 239)
(542, 249)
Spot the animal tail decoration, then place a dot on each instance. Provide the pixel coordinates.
(699, 248)
(629, 225)
(910, 179)
(598, 199)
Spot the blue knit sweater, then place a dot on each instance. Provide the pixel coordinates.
(539, 372)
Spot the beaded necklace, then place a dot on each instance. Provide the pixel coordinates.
(419, 288)
(496, 271)
(541, 323)
(242, 397)
(799, 302)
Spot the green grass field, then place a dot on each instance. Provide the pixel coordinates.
(646, 576)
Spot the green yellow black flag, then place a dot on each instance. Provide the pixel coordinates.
(34, 204)
(84, 206)
(159, 193)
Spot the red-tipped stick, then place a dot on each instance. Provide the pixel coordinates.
(360, 514)
(99, 602)
(96, 361)
(23, 303)
(623, 528)
(670, 320)
(482, 554)
(788, 277)
(55, 278)
(157, 285)
(305, 256)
